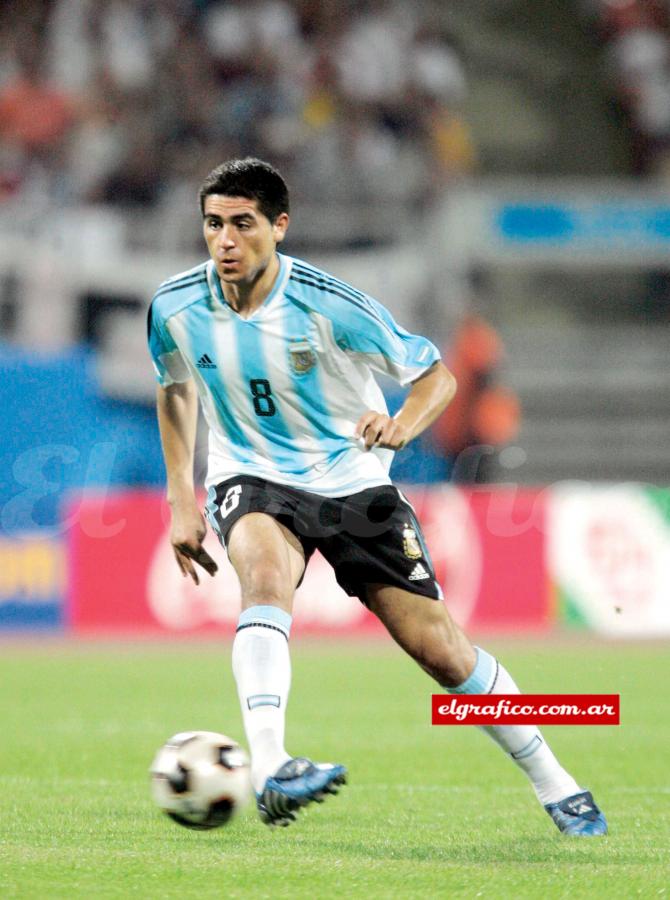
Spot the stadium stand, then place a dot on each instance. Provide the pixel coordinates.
(138, 99)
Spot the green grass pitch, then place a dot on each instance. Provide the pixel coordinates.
(429, 812)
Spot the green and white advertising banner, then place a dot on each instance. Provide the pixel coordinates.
(608, 557)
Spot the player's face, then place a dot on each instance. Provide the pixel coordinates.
(241, 240)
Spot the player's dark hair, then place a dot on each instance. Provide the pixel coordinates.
(251, 178)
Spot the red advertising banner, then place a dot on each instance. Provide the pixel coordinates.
(123, 578)
(487, 547)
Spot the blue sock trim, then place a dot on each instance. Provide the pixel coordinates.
(263, 700)
(266, 615)
(481, 679)
(534, 744)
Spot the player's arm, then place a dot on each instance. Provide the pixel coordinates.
(177, 406)
(428, 397)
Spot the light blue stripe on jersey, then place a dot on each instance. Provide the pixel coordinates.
(377, 331)
(281, 443)
(307, 385)
(360, 323)
(171, 297)
(307, 275)
(199, 334)
(301, 269)
(418, 349)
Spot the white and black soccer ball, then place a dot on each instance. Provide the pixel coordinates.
(201, 779)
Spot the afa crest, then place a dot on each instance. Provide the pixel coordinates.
(410, 543)
(302, 357)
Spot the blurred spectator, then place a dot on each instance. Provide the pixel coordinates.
(437, 90)
(483, 415)
(637, 38)
(35, 117)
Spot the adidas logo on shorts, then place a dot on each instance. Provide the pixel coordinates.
(418, 573)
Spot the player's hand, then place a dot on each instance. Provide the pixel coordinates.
(381, 430)
(187, 534)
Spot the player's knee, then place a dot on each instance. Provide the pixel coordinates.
(443, 649)
(265, 584)
(449, 668)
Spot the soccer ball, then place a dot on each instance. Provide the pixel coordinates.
(201, 779)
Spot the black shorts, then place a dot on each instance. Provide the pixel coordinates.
(371, 537)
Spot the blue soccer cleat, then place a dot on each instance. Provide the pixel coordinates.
(578, 815)
(297, 783)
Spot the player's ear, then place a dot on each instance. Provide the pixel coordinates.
(280, 227)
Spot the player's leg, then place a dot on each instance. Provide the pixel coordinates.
(269, 562)
(268, 558)
(424, 628)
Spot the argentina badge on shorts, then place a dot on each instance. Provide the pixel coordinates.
(410, 543)
(301, 355)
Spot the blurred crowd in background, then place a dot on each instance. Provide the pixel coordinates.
(636, 39)
(129, 102)
(115, 110)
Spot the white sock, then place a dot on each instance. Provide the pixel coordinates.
(523, 743)
(262, 670)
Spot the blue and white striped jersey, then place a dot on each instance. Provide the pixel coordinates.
(283, 390)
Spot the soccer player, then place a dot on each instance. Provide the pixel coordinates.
(282, 357)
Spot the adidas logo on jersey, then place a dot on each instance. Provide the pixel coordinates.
(205, 362)
(418, 573)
